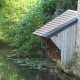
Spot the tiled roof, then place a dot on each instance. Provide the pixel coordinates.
(58, 24)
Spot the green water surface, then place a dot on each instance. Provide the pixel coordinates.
(12, 71)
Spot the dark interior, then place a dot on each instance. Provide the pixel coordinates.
(52, 50)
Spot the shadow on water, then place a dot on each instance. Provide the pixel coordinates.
(12, 71)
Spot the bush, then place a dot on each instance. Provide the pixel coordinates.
(49, 7)
(24, 42)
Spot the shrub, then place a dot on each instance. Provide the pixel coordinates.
(24, 42)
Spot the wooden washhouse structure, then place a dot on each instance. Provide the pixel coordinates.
(61, 33)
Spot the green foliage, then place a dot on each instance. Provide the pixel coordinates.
(75, 54)
(49, 7)
(67, 4)
(10, 12)
(24, 41)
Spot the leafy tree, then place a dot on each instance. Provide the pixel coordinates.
(67, 4)
(24, 41)
(49, 7)
(10, 12)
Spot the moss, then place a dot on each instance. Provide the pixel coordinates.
(67, 70)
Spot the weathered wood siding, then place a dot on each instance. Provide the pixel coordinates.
(65, 41)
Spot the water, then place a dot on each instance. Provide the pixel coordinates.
(13, 71)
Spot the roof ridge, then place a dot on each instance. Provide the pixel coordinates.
(60, 28)
(72, 10)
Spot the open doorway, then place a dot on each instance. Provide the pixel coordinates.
(53, 52)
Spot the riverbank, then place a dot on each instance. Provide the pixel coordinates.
(48, 67)
(34, 69)
(69, 70)
(41, 64)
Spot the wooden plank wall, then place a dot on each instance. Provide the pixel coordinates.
(65, 41)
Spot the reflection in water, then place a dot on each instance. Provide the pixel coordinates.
(13, 71)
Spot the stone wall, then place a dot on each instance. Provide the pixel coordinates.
(78, 30)
(76, 68)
